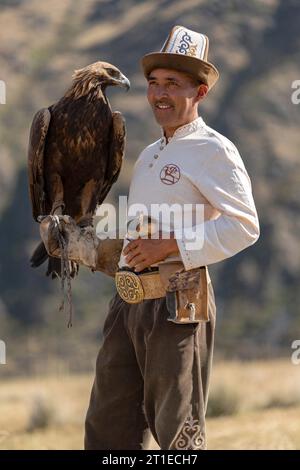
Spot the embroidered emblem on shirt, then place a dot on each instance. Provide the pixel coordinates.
(191, 436)
(170, 174)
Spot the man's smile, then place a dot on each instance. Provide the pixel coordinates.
(163, 106)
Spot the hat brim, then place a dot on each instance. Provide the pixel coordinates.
(200, 69)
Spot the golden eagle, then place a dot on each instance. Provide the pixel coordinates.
(75, 152)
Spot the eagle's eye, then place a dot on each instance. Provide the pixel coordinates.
(113, 73)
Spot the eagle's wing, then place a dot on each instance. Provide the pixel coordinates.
(116, 155)
(38, 133)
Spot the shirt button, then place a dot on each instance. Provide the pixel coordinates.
(151, 165)
(155, 156)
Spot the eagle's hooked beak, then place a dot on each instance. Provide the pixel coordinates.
(123, 82)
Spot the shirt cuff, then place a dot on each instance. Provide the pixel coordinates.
(189, 256)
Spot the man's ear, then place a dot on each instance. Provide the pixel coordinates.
(202, 92)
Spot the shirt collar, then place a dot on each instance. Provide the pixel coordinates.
(182, 131)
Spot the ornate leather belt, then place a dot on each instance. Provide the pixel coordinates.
(134, 288)
(185, 291)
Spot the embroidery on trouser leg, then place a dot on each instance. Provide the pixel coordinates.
(191, 435)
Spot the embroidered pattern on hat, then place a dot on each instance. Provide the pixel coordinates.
(186, 42)
(185, 48)
(193, 50)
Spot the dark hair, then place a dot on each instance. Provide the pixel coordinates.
(195, 81)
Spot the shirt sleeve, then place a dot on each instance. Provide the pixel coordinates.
(225, 183)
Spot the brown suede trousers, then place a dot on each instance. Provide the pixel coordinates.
(150, 373)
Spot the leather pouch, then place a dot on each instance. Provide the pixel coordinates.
(186, 292)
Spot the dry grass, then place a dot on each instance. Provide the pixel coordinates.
(266, 415)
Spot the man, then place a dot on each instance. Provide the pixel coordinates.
(151, 372)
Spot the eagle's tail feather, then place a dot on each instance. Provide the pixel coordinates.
(40, 255)
(54, 268)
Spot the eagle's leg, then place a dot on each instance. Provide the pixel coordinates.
(58, 208)
(88, 203)
(58, 267)
(57, 195)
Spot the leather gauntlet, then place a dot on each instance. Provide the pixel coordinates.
(82, 244)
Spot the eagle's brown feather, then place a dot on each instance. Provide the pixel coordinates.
(38, 133)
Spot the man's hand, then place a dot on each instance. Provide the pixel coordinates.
(141, 253)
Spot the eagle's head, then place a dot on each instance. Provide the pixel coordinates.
(96, 77)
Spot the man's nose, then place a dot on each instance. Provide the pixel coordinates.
(161, 92)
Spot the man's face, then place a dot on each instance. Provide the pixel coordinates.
(174, 97)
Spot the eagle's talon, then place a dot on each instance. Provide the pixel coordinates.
(85, 222)
(41, 218)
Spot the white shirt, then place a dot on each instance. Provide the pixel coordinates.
(199, 166)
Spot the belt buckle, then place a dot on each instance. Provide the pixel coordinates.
(129, 287)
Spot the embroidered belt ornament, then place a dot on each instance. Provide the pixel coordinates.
(129, 287)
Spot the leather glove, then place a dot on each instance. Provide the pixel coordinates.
(82, 244)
